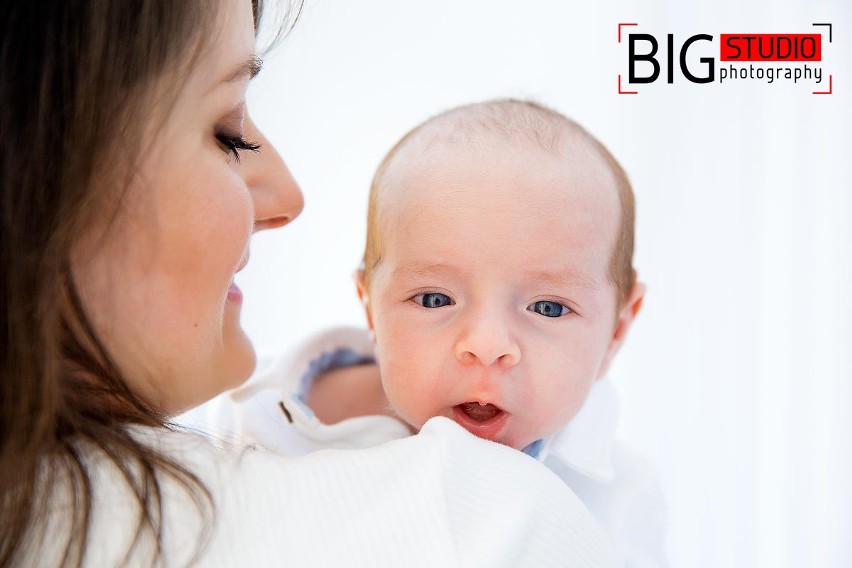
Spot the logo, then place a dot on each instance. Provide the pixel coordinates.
(725, 59)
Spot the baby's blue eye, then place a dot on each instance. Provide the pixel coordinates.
(433, 300)
(549, 309)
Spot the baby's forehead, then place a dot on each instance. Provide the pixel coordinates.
(550, 156)
(500, 126)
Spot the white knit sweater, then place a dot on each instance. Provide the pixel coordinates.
(440, 498)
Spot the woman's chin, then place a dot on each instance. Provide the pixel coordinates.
(231, 368)
(241, 361)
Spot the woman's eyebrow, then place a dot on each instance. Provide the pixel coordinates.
(249, 68)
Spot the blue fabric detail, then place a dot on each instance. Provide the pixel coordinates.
(533, 450)
(329, 361)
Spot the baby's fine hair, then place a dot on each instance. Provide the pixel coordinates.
(518, 122)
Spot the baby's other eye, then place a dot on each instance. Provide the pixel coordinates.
(549, 309)
(433, 300)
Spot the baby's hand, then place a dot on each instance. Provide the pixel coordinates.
(348, 392)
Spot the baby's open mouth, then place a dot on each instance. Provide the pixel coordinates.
(483, 420)
(479, 412)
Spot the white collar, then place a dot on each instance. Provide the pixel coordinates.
(586, 443)
(284, 372)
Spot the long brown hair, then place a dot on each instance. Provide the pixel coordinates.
(75, 76)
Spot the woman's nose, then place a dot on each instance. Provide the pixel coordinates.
(487, 341)
(276, 195)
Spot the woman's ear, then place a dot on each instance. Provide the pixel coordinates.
(626, 315)
(364, 297)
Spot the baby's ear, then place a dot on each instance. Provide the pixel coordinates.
(626, 315)
(364, 296)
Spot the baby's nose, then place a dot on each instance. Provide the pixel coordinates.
(488, 343)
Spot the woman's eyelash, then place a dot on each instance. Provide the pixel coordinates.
(235, 144)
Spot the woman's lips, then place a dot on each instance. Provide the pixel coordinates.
(483, 420)
(234, 293)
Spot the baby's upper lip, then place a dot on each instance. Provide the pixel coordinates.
(483, 401)
(480, 420)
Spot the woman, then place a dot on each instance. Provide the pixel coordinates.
(132, 179)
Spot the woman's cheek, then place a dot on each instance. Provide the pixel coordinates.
(226, 225)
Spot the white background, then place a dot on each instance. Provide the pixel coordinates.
(737, 377)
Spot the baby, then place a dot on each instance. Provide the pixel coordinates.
(498, 286)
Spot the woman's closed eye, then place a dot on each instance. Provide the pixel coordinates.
(549, 308)
(234, 143)
(433, 300)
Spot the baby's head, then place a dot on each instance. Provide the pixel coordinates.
(498, 276)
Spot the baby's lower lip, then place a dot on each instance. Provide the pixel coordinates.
(484, 421)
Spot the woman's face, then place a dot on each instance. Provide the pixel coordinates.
(158, 280)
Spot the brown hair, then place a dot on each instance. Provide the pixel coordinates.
(537, 124)
(77, 79)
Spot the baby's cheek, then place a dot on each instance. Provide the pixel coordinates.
(553, 409)
(411, 395)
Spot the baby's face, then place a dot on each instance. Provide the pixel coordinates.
(491, 304)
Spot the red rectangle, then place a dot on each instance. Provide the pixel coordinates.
(770, 47)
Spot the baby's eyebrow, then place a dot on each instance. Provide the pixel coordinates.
(425, 270)
(563, 278)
